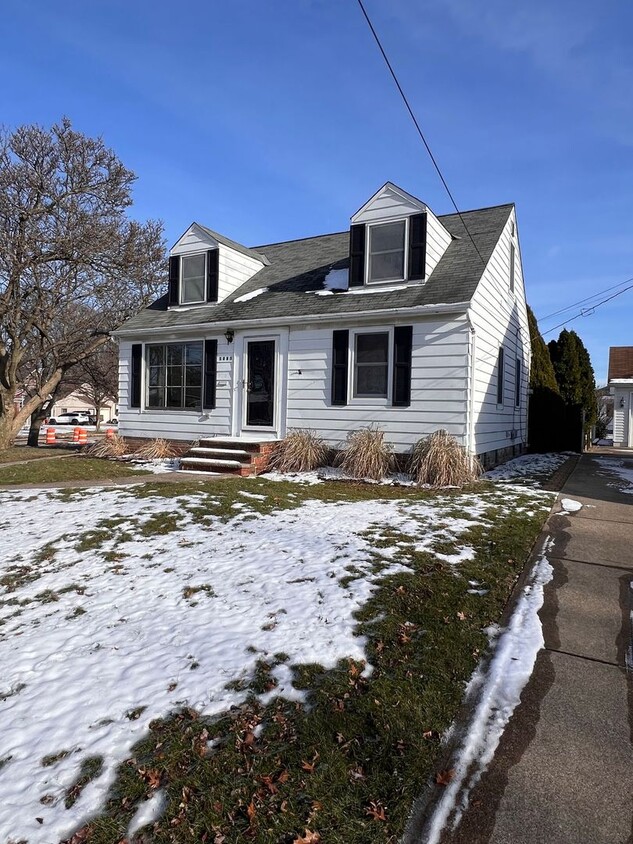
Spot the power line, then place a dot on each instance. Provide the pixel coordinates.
(588, 299)
(417, 126)
(589, 311)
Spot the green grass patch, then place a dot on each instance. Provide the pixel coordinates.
(70, 469)
(90, 769)
(26, 452)
(349, 763)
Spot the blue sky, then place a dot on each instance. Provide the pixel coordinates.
(274, 120)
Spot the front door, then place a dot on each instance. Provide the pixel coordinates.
(260, 383)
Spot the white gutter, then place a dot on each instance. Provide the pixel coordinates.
(377, 315)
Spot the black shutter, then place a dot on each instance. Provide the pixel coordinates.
(174, 280)
(212, 274)
(210, 373)
(402, 344)
(340, 346)
(135, 375)
(417, 246)
(357, 256)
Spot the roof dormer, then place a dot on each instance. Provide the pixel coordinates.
(205, 267)
(394, 238)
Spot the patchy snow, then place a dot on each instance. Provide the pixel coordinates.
(148, 812)
(336, 280)
(156, 467)
(141, 621)
(529, 468)
(620, 467)
(333, 473)
(496, 688)
(252, 295)
(570, 506)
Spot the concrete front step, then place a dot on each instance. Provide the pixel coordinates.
(211, 462)
(251, 446)
(220, 453)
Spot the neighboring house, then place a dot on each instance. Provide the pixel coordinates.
(402, 321)
(77, 401)
(621, 385)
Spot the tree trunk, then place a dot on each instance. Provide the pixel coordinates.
(37, 418)
(98, 413)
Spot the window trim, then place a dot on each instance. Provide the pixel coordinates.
(518, 375)
(501, 367)
(512, 267)
(146, 387)
(181, 285)
(405, 248)
(379, 401)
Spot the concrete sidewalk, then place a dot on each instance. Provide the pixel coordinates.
(563, 772)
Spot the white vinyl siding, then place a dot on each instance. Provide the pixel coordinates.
(499, 318)
(439, 371)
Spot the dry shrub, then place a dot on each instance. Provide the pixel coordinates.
(114, 447)
(300, 451)
(439, 460)
(366, 454)
(158, 449)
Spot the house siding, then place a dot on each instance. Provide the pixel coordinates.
(438, 385)
(622, 416)
(499, 318)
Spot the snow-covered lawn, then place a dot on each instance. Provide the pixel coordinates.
(529, 468)
(117, 609)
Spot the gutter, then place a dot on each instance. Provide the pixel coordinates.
(304, 319)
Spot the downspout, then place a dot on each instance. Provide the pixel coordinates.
(470, 392)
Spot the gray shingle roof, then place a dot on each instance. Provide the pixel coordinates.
(297, 267)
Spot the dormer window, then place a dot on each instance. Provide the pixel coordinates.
(193, 275)
(394, 250)
(386, 260)
(193, 279)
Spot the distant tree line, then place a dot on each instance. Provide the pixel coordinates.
(563, 406)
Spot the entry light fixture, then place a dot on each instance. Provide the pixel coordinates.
(229, 334)
(622, 402)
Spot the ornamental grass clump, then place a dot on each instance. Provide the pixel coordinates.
(366, 454)
(113, 447)
(439, 460)
(158, 449)
(300, 451)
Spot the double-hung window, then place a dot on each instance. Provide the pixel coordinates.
(193, 276)
(386, 258)
(371, 365)
(174, 376)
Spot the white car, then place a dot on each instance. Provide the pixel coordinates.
(79, 417)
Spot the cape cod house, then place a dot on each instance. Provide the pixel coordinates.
(407, 320)
(621, 386)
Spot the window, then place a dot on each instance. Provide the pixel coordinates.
(174, 376)
(500, 376)
(512, 254)
(517, 383)
(386, 251)
(371, 365)
(193, 278)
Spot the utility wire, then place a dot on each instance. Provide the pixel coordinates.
(588, 299)
(589, 311)
(417, 126)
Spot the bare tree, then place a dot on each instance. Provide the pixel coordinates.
(73, 266)
(99, 377)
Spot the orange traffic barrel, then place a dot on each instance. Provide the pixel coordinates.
(50, 436)
(76, 431)
(110, 434)
(83, 436)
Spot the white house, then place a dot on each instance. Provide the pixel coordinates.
(406, 320)
(621, 385)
